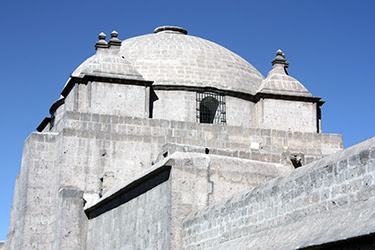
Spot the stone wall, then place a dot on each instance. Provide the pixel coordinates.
(207, 135)
(175, 105)
(30, 220)
(307, 207)
(201, 179)
(87, 148)
(287, 115)
(240, 112)
(94, 145)
(69, 232)
(121, 99)
(145, 203)
(135, 217)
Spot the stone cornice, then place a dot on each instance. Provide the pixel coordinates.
(254, 98)
(89, 78)
(43, 124)
(56, 105)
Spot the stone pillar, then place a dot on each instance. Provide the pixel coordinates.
(70, 220)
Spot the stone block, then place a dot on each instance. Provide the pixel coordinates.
(364, 157)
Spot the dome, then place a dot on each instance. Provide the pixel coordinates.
(279, 82)
(171, 57)
(107, 64)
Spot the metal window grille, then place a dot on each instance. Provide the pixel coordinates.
(210, 108)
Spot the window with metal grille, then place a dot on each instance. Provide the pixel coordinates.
(211, 108)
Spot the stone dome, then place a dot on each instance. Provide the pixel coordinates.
(107, 64)
(171, 57)
(279, 82)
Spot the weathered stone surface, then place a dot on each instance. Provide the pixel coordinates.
(300, 209)
(94, 177)
(139, 216)
(170, 58)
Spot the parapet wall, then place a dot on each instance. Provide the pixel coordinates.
(309, 206)
(127, 146)
(137, 216)
(191, 133)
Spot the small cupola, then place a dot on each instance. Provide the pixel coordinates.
(278, 81)
(107, 62)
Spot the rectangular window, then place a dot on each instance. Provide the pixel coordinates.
(210, 108)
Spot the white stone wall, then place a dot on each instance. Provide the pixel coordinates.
(91, 157)
(121, 100)
(287, 115)
(239, 112)
(175, 105)
(30, 224)
(139, 218)
(149, 210)
(69, 220)
(199, 180)
(87, 146)
(310, 206)
(58, 115)
(132, 100)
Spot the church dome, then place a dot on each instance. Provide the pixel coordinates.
(107, 65)
(107, 62)
(173, 58)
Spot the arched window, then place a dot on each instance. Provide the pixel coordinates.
(207, 109)
(210, 108)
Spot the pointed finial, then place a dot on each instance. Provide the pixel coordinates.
(101, 43)
(114, 41)
(279, 52)
(114, 33)
(102, 36)
(280, 59)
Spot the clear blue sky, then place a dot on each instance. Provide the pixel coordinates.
(329, 44)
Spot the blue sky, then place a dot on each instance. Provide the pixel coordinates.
(329, 44)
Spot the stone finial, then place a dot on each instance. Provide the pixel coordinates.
(102, 36)
(114, 33)
(101, 43)
(114, 41)
(280, 59)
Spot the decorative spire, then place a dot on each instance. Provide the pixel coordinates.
(114, 41)
(101, 43)
(280, 59)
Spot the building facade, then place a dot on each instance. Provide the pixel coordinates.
(170, 141)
